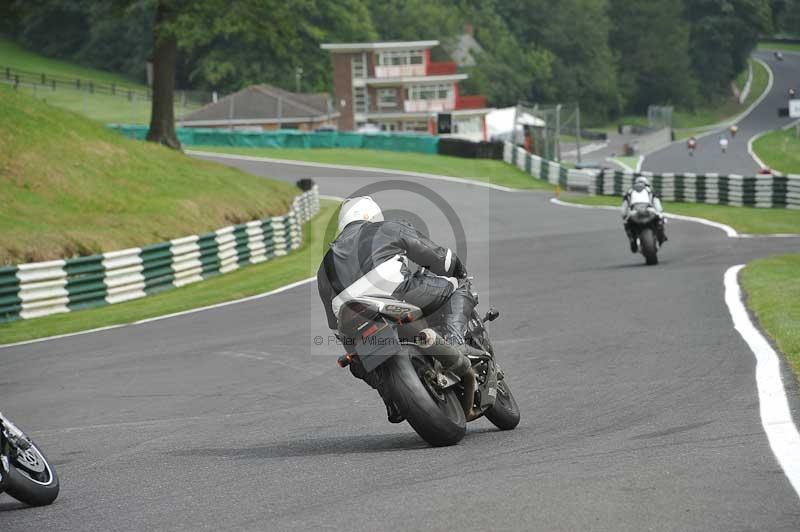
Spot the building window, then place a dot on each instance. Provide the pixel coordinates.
(401, 57)
(442, 91)
(360, 100)
(387, 97)
(417, 126)
(359, 67)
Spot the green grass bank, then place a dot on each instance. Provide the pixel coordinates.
(71, 187)
(780, 150)
(772, 286)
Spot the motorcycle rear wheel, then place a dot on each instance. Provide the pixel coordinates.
(647, 242)
(504, 414)
(437, 417)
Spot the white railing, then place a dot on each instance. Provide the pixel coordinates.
(439, 104)
(399, 71)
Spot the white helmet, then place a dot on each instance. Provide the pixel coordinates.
(359, 208)
(640, 183)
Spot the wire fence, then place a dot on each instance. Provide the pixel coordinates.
(549, 130)
(106, 102)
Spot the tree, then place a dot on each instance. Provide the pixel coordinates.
(651, 41)
(722, 35)
(165, 53)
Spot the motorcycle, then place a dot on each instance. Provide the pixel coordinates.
(643, 221)
(25, 473)
(436, 387)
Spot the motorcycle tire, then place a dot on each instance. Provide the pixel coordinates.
(504, 414)
(437, 417)
(28, 486)
(647, 242)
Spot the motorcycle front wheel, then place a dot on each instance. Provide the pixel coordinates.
(31, 478)
(504, 414)
(647, 242)
(436, 415)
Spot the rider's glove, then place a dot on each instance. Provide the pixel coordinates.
(459, 270)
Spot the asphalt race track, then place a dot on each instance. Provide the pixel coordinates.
(638, 399)
(708, 157)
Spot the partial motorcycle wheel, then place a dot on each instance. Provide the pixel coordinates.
(647, 243)
(505, 412)
(31, 478)
(436, 415)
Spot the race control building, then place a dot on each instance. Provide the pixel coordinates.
(396, 87)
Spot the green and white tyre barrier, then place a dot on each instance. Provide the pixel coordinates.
(52, 287)
(777, 191)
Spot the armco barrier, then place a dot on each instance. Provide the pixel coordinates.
(43, 288)
(757, 191)
(191, 136)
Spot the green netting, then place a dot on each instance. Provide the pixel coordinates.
(293, 139)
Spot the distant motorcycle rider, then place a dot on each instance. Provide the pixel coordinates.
(370, 257)
(642, 193)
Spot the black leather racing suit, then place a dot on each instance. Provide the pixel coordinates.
(362, 246)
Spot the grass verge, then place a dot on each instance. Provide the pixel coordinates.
(744, 219)
(628, 162)
(250, 280)
(784, 47)
(489, 171)
(772, 286)
(780, 150)
(71, 187)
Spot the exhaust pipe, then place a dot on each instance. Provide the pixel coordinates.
(450, 357)
(455, 361)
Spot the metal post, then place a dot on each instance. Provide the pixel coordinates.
(298, 73)
(230, 113)
(558, 133)
(514, 126)
(578, 129)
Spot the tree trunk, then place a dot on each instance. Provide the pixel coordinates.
(162, 117)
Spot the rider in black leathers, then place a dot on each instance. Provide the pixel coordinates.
(366, 241)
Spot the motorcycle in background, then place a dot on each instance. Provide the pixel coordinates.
(25, 473)
(643, 220)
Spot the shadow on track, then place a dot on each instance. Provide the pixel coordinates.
(369, 443)
(13, 506)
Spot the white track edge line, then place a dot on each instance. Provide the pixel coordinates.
(755, 137)
(278, 290)
(451, 179)
(776, 417)
(730, 231)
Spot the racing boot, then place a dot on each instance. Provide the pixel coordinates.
(661, 233)
(631, 238)
(373, 378)
(457, 313)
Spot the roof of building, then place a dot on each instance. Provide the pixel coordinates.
(267, 103)
(363, 46)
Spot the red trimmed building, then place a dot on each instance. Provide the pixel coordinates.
(396, 87)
